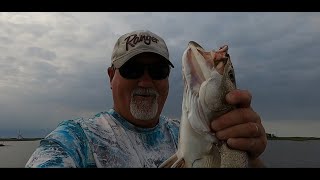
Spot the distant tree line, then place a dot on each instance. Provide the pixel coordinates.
(269, 135)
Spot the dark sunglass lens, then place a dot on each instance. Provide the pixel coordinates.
(159, 71)
(130, 71)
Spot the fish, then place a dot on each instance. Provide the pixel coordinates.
(208, 75)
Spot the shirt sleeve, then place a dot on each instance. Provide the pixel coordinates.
(65, 147)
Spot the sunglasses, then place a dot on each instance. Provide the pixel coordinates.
(156, 71)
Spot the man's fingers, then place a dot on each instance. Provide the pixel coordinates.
(241, 98)
(252, 130)
(235, 117)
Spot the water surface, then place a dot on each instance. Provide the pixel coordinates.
(15, 154)
(292, 154)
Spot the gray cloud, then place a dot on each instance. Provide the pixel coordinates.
(5, 40)
(53, 65)
(41, 53)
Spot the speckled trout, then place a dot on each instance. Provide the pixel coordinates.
(208, 76)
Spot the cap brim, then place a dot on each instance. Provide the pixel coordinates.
(119, 62)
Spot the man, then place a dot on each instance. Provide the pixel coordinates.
(134, 133)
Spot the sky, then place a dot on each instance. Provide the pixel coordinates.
(53, 65)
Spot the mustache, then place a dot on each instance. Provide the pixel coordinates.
(145, 92)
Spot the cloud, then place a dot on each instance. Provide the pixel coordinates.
(53, 65)
(41, 53)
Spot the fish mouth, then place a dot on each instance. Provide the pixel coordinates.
(221, 64)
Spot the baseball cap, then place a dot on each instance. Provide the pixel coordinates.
(137, 42)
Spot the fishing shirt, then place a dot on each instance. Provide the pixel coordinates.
(106, 141)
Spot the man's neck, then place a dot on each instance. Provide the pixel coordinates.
(138, 122)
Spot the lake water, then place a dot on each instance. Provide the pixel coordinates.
(292, 154)
(15, 154)
(278, 154)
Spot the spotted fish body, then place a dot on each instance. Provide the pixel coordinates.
(208, 76)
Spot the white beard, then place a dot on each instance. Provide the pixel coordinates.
(144, 109)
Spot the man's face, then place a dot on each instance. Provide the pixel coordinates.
(140, 98)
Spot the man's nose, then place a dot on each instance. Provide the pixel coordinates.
(145, 80)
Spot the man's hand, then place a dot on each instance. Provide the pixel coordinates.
(242, 127)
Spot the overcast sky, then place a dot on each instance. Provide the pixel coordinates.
(53, 65)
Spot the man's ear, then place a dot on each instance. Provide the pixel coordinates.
(111, 72)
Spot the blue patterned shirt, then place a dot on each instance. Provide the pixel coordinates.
(106, 140)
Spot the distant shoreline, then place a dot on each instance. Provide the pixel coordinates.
(294, 138)
(16, 139)
(2, 140)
